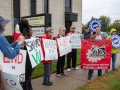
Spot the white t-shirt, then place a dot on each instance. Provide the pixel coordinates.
(98, 37)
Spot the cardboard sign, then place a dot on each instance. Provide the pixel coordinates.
(50, 48)
(10, 82)
(14, 66)
(96, 54)
(75, 40)
(34, 51)
(64, 45)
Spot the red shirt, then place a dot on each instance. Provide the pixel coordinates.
(42, 46)
(16, 35)
(57, 45)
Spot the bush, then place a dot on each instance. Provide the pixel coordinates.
(10, 38)
(53, 38)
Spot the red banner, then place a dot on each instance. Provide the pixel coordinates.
(96, 54)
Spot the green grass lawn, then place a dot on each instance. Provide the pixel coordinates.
(39, 69)
(108, 81)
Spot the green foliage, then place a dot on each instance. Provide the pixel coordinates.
(10, 38)
(106, 20)
(53, 38)
(105, 23)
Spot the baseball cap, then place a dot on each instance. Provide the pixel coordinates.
(3, 22)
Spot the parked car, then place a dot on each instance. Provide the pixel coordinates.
(105, 34)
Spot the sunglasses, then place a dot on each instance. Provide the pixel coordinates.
(114, 31)
(63, 30)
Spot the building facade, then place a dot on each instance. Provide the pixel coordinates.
(64, 13)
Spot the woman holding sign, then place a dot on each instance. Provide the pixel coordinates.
(5, 47)
(61, 60)
(114, 50)
(28, 67)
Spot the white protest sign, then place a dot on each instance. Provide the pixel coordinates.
(14, 66)
(64, 45)
(34, 51)
(75, 40)
(10, 82)
(50, 48)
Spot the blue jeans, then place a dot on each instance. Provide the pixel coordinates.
(114, 56)
(91, 72)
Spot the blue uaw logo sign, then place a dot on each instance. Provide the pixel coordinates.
(93, 24)
(116, 40)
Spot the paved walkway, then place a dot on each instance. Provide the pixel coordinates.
(75, 79)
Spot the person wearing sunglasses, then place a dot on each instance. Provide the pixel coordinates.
(61, 59)
(114, 51)
(72, 54)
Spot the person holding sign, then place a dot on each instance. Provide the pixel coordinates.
(28, 67)
(61, 60)
(47, 64)
(72, 54)
(5, 47)
(114, 50)
(96, 36)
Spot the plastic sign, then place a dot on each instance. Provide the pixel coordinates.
(116, 40)
(93, 24)
(9, 82)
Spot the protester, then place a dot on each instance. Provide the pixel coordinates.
(61, 60)
(96, 36)
(114, 50)
(17, 33)
(72, 54)
(5, 47)
(47, 64)
(87, 33)
(26, 85)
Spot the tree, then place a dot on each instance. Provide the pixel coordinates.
(106, 20)
(105, 23)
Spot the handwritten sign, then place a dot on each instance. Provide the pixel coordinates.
(34, 51)
(14, 66)
(10, 82)
(50, 48)
(64, 45)
(75, 40)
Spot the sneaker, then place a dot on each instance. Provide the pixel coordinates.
(89, 77)
(68, 70)
(50, 82)
(115, 70)
(76, 68)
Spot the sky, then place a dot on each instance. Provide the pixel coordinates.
(96, 8)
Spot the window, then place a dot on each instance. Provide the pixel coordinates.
(45, 6)
(67, 5)
(16, 12)
(33, 7)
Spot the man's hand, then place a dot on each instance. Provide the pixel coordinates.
(70, 41)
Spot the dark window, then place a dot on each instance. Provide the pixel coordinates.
(45, 6)
(33, 7)
(67, 5)
(16, 12)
